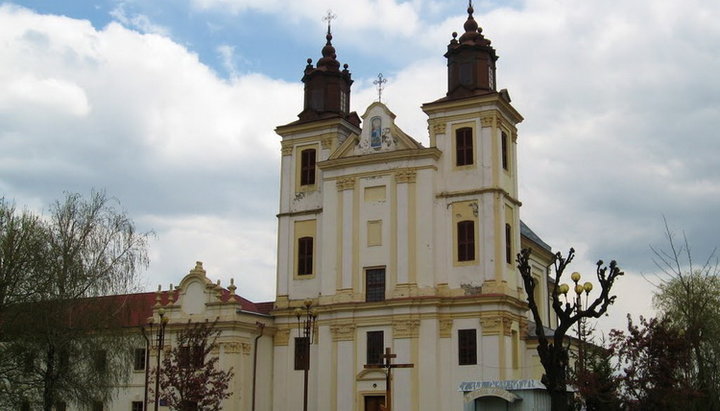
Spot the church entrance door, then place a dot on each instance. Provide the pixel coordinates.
(373, 402)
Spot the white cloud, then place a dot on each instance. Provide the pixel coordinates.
(139, 115)
(138, 22)
(56, 95)
(621, 114)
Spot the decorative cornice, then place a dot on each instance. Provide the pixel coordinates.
(441, 107)
(490, 326)
(300, 213)
(232, 347)
(507, 326)
(282, 336)
(498, 190)
(286, 149)
(445, 327)
(326, 143)
(405, 176)
(246, 348)
(380, 158)
(343, 332)
(488, 121)
(497, 324)
(406, 328)
(438, 127)
(346, 183)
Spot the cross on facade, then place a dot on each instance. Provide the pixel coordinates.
(380, 85)
(388, 366)
(329, 17)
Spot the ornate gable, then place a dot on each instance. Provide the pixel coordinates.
(379, 134)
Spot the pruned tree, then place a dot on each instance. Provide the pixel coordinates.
(190, 378)
(553, 352)
(60, 342)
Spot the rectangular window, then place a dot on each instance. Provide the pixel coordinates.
(187, 405)
(508, 244)
(307, 167)
(375, 284)
(198, 356)
(137, 406)
(100, 360)
(463, 146)
(305, 256)
(302, 353)
(63, 359)
(504, 143)
(466, 240)
(375, 347)
(467, 347)
(184, 357)
(139, 359)
(28, 362)
(515, 350)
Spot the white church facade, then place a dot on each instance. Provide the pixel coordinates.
(392, 245)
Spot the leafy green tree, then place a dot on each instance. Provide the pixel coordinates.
(60, 342)
(688, 297)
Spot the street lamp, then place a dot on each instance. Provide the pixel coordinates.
(579, 307)
(160, 339)
(306, 332)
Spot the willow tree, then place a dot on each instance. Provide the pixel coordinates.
(553, 351)
(61, 342)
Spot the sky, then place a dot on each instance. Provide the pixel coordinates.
(170, 106)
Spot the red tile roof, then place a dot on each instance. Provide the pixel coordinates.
(134, 309)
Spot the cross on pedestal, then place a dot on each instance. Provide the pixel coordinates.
(388, 365)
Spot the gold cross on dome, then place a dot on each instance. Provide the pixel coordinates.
(380, 83)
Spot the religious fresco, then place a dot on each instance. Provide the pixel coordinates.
(378, 137)
(376, 132)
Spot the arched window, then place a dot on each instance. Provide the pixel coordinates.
(305, 256)
(463, 146)
(307, 167)
(466, 240)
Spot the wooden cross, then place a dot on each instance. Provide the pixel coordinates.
(380, 85)
(388, 365)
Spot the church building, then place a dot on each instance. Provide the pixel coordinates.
(398, 246)
(389, 253)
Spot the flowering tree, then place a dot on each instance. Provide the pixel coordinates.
(190, 379)
(655, 363)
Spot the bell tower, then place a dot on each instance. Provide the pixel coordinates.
(327, 88)
(470, 62)
(474, 126)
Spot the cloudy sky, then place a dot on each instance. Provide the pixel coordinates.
(170, 106)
